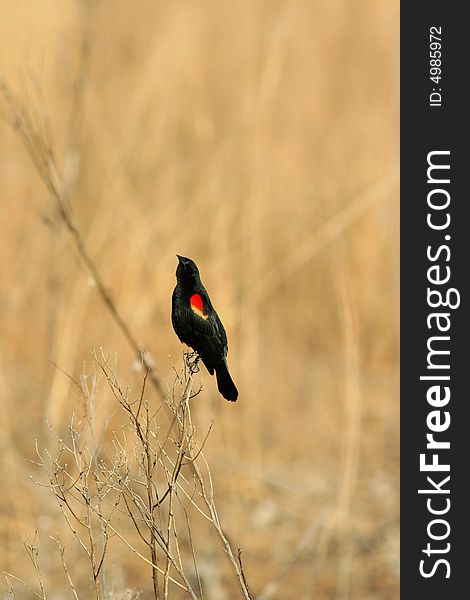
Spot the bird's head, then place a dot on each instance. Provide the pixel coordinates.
(186, 268)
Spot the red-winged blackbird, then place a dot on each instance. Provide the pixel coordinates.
(197, 325)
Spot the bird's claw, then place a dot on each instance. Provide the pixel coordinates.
(192, 359)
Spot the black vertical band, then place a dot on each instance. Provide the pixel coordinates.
(435, 236)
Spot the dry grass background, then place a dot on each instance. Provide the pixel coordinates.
(261, 139)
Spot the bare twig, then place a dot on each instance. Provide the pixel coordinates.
(32, 549)
(11, 589)
(64, 566)
(42, 153)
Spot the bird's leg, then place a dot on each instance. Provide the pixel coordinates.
(192, 359)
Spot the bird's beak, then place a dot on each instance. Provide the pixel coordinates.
(180, 258)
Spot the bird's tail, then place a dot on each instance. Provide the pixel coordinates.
(225, 383)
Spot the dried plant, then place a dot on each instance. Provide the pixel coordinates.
(141, 478)
(35, 132)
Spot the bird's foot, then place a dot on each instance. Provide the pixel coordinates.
(192, 359)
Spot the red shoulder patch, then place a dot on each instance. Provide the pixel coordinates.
(196, 301)
(197, 306)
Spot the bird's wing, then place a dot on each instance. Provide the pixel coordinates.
(213, 318)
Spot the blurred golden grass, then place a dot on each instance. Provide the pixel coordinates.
(260, 139)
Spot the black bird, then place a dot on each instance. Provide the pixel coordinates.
(198, 325)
